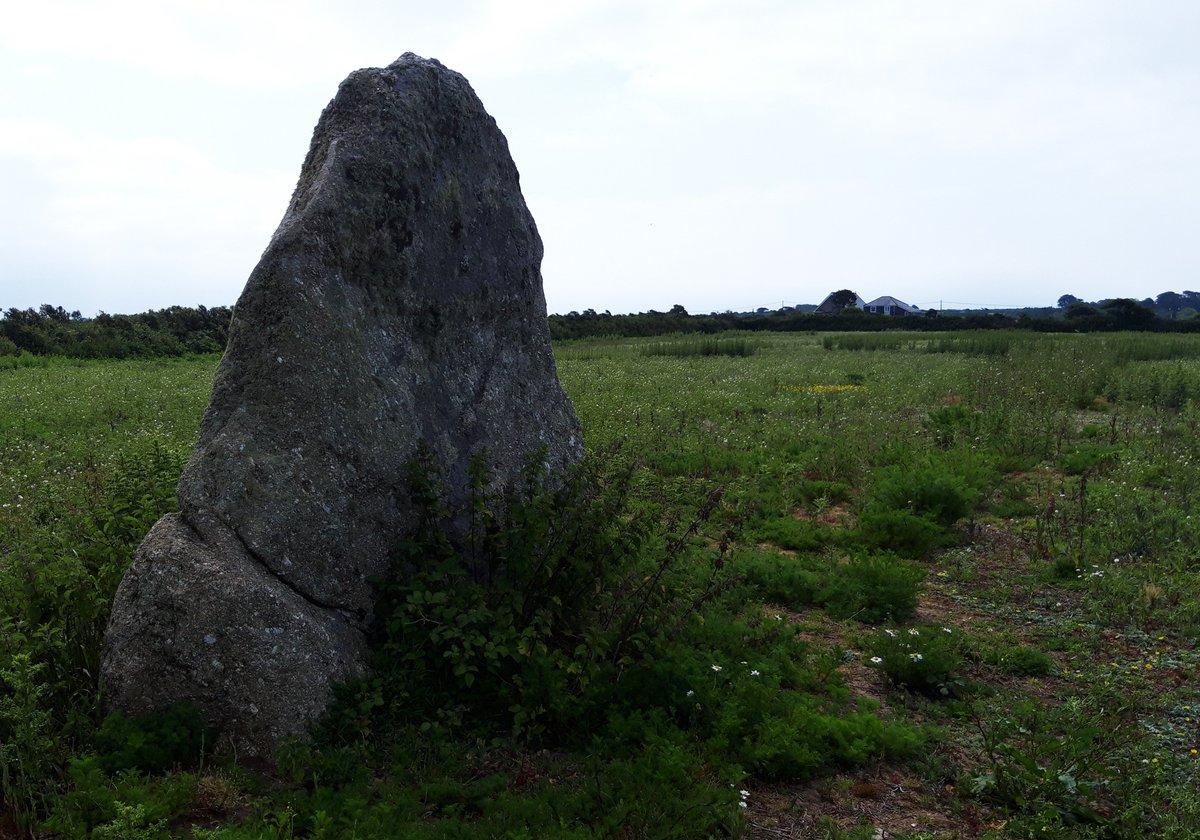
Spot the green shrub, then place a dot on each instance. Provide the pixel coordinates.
(869, 587)
(872, 588)
(1086, 458)
(129, 804)
(1024, 661)
(787, 581)
(950, 424)
(1013, 508)
(931, 490)
(151, 743)
(580, 582)
(905, 533)
(803, 740)
(792, 534)
(812, 490)
(925, 660)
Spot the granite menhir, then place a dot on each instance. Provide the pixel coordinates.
(399, 304)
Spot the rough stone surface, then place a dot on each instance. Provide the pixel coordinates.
(399, 302)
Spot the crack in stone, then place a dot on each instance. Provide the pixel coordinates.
(310, 599)
(261, 561)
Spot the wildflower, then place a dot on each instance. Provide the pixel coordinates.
(947, 630)
(716, 667)
(915, 657)
(913, 631)
(743, 804)
(875, 660)
(891, 633)
(744, 793)
(754, 673)
(691, 693)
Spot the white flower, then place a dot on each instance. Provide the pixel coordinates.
(743, 804)
(913, 631)
(947, 630)
(716, 667)
(891, 633)
(915, 657)
(744, 793)
(754, 673)
(875, 660)
(691, 694)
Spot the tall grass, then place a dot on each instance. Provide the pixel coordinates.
(866, 341)
(701, 347)
(973, 344)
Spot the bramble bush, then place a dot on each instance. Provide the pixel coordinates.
(580, 583)
(607, 622)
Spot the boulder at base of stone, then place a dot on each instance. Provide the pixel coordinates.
(398, 305)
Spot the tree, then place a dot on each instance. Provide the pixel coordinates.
(1065, 301)
(843, 298)
(678, 309)
(1128, 314)
(1171, 303)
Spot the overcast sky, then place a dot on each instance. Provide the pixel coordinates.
(721, 155)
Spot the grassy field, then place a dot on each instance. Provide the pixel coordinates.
(901, 585)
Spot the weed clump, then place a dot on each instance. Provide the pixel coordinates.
(925, 660)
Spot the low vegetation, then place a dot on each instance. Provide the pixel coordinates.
(943, 589)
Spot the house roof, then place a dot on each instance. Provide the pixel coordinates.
(888, 300)
(827, 306)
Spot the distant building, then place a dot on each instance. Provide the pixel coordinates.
(829, 307)
(888, 305)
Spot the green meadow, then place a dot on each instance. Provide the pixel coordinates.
(902, 585)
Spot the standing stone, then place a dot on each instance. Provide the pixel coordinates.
(399, 303)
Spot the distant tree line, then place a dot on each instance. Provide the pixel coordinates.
(181, 330)
(1107, 316)
(175, 331)
(1172, 306)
